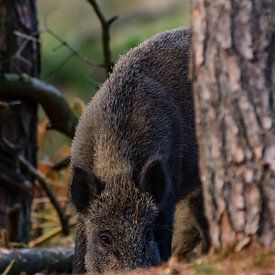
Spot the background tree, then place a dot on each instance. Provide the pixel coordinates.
(19, 53)
(234, 83)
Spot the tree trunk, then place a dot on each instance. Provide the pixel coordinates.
(234, 84)
(19, 53)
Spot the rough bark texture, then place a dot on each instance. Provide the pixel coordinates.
(19, 53)
(234, 82)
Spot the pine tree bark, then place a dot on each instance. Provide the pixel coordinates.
(19, 53)
(233, 60)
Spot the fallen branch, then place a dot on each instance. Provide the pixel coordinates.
(34, 260)
(105, 25)
(46, 187)
(56, 107)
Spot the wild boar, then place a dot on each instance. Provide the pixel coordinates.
(134, 156)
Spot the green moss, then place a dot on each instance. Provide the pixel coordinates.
(205, 268)
(263, 259)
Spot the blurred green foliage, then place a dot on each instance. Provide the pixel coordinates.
(76, 23)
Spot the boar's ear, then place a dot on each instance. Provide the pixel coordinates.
(153, 179)
(83, 189)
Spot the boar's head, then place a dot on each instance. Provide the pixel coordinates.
(119, 218)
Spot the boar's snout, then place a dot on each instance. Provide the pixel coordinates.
(149, 257)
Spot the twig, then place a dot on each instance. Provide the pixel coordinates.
(61, 65)
(46, 200)
(69, 47)
(105, 25)
(17, 54)
(8, 268)
(45, 237)
(18, 245)
(56, 107)
(47, 225)
(26, 36)
(27, 39)
(62, 163)
(45, 185)
(48, 217)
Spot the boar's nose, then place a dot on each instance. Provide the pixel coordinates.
(136, 264)
(143, 260)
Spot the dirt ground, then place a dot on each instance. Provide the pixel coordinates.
(252, 261)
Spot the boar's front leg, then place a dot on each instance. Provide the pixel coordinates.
(164, 231)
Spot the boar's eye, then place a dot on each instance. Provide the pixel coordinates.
(106, 239)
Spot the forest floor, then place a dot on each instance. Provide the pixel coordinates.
(251, 261)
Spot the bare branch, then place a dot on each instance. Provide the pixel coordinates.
(46, 187)
(61, 65)
(105, 25)
(26, 36)
(45, 237)
(69, 47)
(57, 109)
(62, 163)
